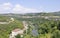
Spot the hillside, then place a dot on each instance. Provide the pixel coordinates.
(40, 25)
(5, 29)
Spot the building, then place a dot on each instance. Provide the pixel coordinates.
(12, 19)
(15, 32)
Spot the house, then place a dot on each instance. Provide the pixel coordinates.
(15, 32)
(12, 19)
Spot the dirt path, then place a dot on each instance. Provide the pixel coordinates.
(25, 25)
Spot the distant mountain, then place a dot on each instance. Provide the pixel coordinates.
(34, 14)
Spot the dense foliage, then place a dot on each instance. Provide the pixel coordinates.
(5, 29)
(44, 28)
(38, 28)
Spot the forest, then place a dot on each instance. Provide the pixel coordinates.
(37, 27)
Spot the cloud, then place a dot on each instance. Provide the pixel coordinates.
(17, 8)
(20, 9)
(5, 7)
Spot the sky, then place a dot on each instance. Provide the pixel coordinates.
(28, 6)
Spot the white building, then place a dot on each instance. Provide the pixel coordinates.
(12, 19)
(15, 32)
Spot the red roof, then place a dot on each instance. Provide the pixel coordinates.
(15, 30)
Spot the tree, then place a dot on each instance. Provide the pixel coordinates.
(18, 36)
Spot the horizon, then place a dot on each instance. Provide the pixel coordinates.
(29, 6)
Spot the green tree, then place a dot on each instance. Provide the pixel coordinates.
(18, 36)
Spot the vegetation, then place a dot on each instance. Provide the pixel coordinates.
(5, 29)
(37, 27)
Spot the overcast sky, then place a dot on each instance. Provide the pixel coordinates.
(27, 6)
